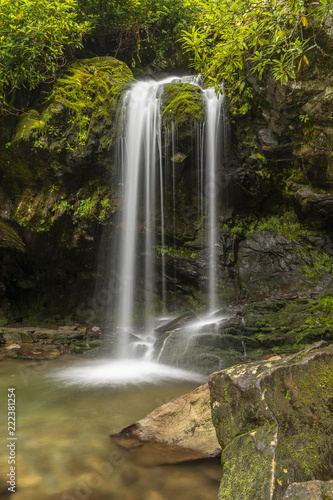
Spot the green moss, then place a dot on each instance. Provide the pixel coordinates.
(304, 419)
(320, 264)
(182, 105)
(184, 251)
(34, 210)
(88, 91)
(283, 221)
(247, 466)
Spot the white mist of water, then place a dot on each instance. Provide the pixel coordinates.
(123, 372)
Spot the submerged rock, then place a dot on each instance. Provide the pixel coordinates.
(274, 422)
(177, 431)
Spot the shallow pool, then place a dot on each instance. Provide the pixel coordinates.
(66, 410)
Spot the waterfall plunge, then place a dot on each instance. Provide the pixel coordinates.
(143, 173)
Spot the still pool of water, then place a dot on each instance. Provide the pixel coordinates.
(65, 412)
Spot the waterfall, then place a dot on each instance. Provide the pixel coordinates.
(142, 169)
(212, 152)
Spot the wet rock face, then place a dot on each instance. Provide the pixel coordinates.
(273, 421)
(270, 258)
(272, 265)
(252, 332)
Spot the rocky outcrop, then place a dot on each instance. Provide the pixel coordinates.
(274, 194)
(35, 341)
(177, 431)
(274, 421)
(247, 333)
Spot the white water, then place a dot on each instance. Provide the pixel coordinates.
(141, 164)
(212, 185)
(123, 372)
(143, 177)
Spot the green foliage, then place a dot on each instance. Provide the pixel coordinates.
(97, 206)
(142, 31)
(62, 207)
(184, 252)
(285, 222)
(36, 39)
(86, 208)
(233, 39)
(320, 264)
(304, 118)
(322, 313)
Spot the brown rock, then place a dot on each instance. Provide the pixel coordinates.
(175, 432)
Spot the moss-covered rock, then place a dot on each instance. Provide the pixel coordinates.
(55, 191)
(183, 106)
(276, 255)
(310, 490)
(273, 421)
(82, 105)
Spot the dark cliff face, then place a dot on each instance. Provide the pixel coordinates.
(275, 196)
(277, 236)
(55, 168)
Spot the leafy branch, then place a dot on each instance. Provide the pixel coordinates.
(235, 39)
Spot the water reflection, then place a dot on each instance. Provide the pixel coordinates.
(64, 451)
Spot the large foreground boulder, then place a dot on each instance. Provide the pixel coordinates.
(274, 422)
(175, 432)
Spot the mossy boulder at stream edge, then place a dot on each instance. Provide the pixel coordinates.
(274, 422)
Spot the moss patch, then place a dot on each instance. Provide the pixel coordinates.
(85, 96)
(182, 105)
(247, 466)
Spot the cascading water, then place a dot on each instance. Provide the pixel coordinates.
(143, 173)
(212, 148)
(141, 170)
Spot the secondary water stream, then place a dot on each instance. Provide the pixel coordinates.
(63, 425)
